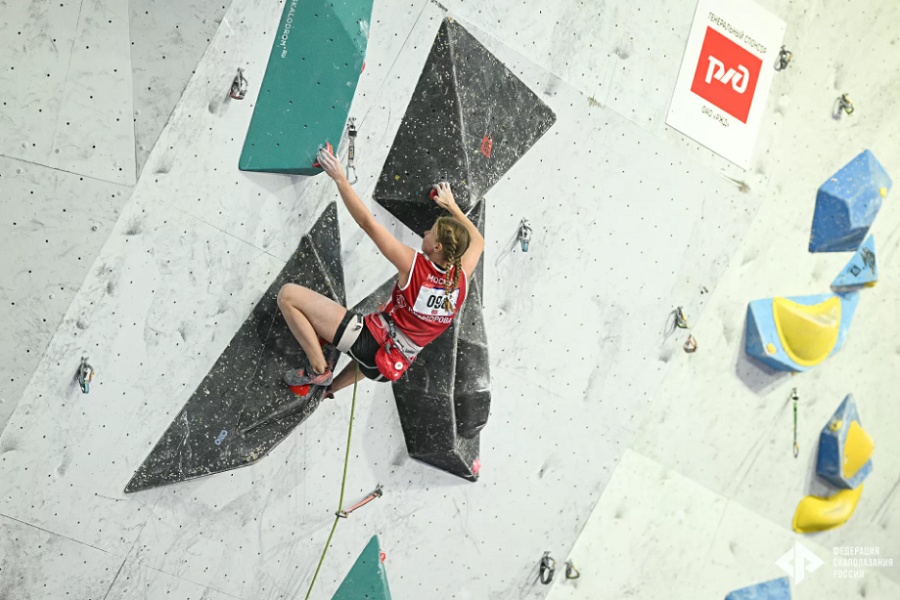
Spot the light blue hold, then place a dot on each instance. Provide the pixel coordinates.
(761, 329)
(831, 443)
(776, 589)
(847, 204)
(861, 269)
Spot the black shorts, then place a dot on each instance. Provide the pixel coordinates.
(354, 338)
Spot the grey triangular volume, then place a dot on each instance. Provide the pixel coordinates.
(501, 117)
(472, 387)
(243, 408)
(428, 147)
(469, 120)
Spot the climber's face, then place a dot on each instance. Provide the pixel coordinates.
(430, 246)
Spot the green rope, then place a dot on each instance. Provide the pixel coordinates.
(343, 485)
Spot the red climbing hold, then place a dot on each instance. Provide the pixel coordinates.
(300, 390)
(364, 67)
(382, 555)
(476, 466)
(330, 149)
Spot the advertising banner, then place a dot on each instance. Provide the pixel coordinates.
(725, 76)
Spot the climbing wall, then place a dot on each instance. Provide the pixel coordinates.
(673, 472)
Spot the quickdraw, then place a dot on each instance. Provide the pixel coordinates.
(680, 319)
(795, 398)
(85, 375)
(524, 234)
(351, 153)
(239, 86)
(548, 568)
(845, 105)
(346, 513)
(784, 59)
(690, 346)
(571, 571)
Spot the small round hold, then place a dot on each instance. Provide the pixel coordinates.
(398, 365)
(94, 228)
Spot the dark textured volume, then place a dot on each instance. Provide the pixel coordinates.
(243, 408)
(468, 122)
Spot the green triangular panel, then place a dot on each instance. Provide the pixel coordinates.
(367, 580)
(305, 97)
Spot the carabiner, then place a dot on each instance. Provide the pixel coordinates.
(548, 567)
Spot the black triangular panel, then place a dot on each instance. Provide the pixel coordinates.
(243, 408)
(469, 120)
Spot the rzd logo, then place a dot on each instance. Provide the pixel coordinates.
(726, 75)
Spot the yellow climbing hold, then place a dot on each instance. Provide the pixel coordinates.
(808, 333)
(818, 514)
(871, 284)
(883, 192)
(396, 178)
(770, 348)
(858, 449)
(835, 425)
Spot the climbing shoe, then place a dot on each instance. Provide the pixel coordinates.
(306, 376)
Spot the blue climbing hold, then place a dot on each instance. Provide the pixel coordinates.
(367, 578)
(776, 589)
(847, 204)
(845, 449)
(799, 332)
(861, 270)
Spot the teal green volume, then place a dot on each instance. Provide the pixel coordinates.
(367, 579)
(861, 270)
(304, 99)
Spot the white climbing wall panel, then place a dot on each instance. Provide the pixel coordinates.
(594, 405)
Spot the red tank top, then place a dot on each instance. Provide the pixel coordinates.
(417, 309)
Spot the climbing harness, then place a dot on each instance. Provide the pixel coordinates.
(239, 85)
(85, 375)
(376, 494)
(690, 346)
(548, 567)
(845, 105)
(680, 319)
(351, 153)
(343, 485)
(795, 398)
(571, 571)
(784, 59)
(524, 235)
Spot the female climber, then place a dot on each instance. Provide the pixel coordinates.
(429, 293)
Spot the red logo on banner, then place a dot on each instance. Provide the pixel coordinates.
(726, 75)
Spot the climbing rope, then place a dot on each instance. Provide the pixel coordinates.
(343, 485)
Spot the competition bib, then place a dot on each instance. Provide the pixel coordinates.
(430, 302)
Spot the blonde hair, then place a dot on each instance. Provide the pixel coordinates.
(454, 240)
